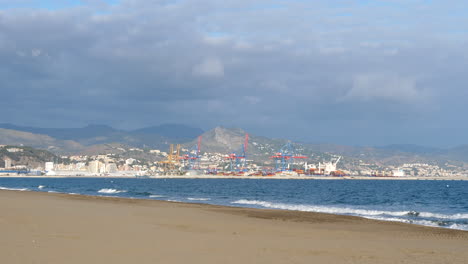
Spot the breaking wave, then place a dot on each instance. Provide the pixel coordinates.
(198, 199)
(111, 191)
(414, 217)
(13, 189)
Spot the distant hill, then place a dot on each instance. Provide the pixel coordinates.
(104, 139)
(20, 138)
(231, 140)
(152, 137)
(26, 156)
(396, 154)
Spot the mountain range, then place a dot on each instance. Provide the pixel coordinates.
(94, 139)
(75, 140)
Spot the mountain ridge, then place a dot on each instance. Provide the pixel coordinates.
(220, 140)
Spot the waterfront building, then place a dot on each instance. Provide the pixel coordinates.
(111, 168)
(7, 163)
(49, 166)
(94, 166)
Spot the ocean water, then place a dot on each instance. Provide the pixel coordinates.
(431, 203)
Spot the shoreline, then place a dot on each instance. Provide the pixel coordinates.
(251, 177)
(61, 228)
(222, 206)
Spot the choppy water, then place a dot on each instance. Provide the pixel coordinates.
(431, 203)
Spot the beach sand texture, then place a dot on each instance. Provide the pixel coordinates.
(60, 228)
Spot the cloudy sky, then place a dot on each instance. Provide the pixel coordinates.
(358, 72)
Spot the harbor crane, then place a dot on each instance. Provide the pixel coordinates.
(238, 160)
(285, 156)
(173, 159)
(193, 157)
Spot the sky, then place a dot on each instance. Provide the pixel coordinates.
(354, 72)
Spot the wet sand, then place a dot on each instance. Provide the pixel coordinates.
(59, 228)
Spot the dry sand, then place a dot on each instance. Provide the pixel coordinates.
(59, 228)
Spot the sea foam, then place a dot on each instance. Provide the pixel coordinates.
(110, 191)
(198, 199)
(13, 189)
(350, 211)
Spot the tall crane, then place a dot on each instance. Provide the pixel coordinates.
(193, 157)
(238, 160)
(173, 158)
(285, 156)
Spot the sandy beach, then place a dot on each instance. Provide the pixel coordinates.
(59, 228)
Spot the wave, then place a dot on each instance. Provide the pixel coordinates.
(433, 223)
(443, 216)
(156, 196)
(319, 209)
(351, 211)
(40, 186)
(198, 199)
(110, 191)
(13, 189)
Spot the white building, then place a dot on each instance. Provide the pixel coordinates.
(7, 163)
(49, 166)
(111, 168)
(14, 150)
(94, 166)
(398, 173)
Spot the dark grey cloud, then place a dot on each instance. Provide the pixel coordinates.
(328, 71)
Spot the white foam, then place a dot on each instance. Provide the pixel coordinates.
(13, 189)
(52, 192)
(110, 191)
(320, 209)
(156, 196)
(443, 216)
(198, 199)
(40, 186)
(347, 210)
(421, 222)
(458, 226)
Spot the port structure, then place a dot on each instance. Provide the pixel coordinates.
(285, 156)
(238, 160)
(173, 159)
(193, 157)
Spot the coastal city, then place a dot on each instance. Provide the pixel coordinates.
(194, 163)
(208, 132)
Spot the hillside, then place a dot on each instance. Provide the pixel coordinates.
(96, 139)
(26, 156)
(74, 140)
(20, 138)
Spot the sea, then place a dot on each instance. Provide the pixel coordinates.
(437, 203)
